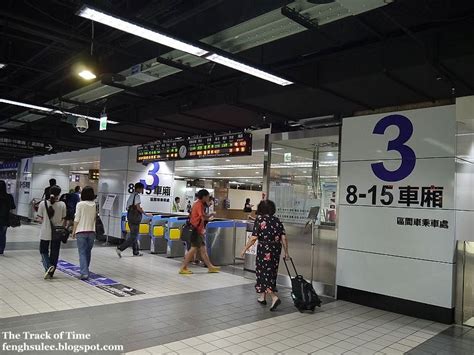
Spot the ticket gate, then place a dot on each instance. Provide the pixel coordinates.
(222, 238)
(175, 246)
(158, 226)
(143, 231)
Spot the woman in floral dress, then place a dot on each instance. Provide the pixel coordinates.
(270, 233)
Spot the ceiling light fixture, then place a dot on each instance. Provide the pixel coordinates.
(160, 37)
(140, 31)
(247, 69)
(87, 75)
(50, 110)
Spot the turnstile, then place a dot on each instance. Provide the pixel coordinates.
(158, 242)
(175, 246)
(222, 238)
(251, 254)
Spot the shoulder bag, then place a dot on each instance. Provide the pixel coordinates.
(58, 233)
(134, 216)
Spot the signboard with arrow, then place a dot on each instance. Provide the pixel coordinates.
(25, 145)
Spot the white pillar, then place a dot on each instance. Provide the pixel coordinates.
(119, 171)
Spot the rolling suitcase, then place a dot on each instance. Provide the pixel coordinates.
(302, 292)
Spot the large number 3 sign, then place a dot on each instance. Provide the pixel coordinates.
(153, 171)
(407, 154)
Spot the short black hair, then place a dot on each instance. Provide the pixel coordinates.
(266, 207)
(176, 199)
(139, 186)
(77, 189)
(202, 193)
(52, 182)
(87, 194)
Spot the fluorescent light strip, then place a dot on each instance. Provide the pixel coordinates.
(50, 110)
(154, 36)
(244, 68)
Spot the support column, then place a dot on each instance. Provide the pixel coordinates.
(119, 172)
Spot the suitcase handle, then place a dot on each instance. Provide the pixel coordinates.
(287, 269)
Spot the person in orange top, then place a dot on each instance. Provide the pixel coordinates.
(198, 220)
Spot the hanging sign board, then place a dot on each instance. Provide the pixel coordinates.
(229, 145)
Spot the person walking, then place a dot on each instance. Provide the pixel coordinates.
(270, 234)
(71, 199)
(134, 215)
(47, 190)
(50, 211)
(198, 220)
(7, 204)
(84, 229)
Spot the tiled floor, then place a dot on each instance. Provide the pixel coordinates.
(339, 328)
(197, 314)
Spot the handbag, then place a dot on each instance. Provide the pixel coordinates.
(14, 220)
(99, 227)
(58, 233)
(134, 216)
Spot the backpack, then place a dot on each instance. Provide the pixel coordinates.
(134, 216)
(303, 294)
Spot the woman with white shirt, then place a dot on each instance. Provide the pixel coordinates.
(84, 229)
(50, 211)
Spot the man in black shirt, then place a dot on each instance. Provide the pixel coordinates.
(47, 192)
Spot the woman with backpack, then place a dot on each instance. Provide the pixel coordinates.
(84, 229)
(270, 233)
(6, 205)
(52, 212)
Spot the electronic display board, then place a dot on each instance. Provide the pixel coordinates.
(228, 145)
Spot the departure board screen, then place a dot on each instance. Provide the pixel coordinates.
(228, 145)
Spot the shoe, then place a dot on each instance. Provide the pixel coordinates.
(214, 270)
(185, 272)
(47, 274)
(51, 273)
(139, 254)
(263, 303)
(119, 252)
(275, 305)
(84, 277)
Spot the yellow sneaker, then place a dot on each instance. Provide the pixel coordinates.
(185, 272)
(214, 270)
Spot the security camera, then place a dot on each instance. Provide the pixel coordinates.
(82, 125)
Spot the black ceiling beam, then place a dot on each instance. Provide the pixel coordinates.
(408, 86)
(40, 43)
(452, 77)
(57, 34)
(178, 124)
(263, 111)
(369, 27)
(223, 123)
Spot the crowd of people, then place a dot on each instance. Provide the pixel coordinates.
(75, 214)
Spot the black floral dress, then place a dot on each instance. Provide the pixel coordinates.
(269, 231)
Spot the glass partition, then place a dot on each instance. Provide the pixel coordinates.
(303, 173)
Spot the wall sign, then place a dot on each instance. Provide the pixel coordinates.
(397, 204)
(235, 144)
